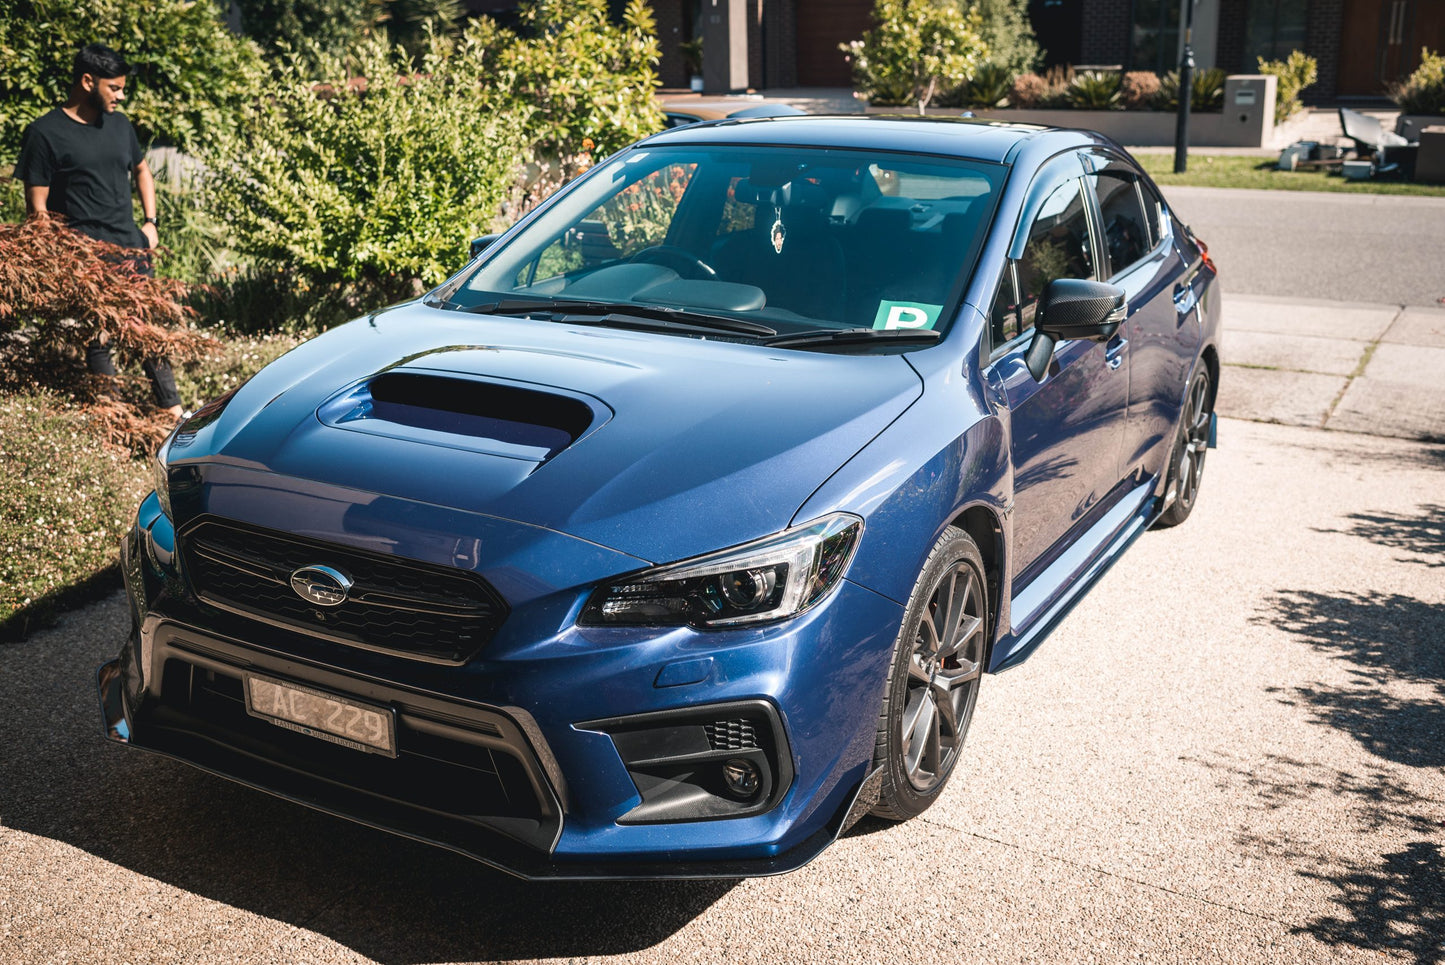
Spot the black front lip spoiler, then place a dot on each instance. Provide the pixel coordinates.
(489, 848)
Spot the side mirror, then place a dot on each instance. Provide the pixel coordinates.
(1073, 308)
(479, 245)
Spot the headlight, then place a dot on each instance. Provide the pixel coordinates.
(160, 478)
(769, 579)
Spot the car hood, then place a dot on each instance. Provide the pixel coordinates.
(657, 446)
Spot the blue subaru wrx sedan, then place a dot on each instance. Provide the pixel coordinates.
(676, 532)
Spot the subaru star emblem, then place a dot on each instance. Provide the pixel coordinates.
(321, 585)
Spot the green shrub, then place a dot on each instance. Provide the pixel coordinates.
(918, 50)
(377, 183)
(1423, 92)
(1095, 90)
(587, 77)
(1294, 73)
(1207, 91)
(989, 87)
(193, 75)
(1004, 26)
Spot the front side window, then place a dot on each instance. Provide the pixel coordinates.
(1058, 247)
(796, 239)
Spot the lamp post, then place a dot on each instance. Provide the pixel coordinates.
(1186, 90)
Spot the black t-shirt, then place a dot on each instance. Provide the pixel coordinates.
(87, 168)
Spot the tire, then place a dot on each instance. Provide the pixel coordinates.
(933, 679)
(1186, 462)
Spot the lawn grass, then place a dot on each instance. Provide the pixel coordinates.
(1240, 171)
(66, 497)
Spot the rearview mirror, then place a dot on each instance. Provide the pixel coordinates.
(1073, 308)
(479, 245)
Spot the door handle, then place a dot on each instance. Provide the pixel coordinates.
(1114, 353)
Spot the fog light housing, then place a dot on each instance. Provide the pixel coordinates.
(742, 778)
(716, 761)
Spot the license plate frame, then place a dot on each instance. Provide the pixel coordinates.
(327, 716)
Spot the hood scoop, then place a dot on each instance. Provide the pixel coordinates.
(524, 422)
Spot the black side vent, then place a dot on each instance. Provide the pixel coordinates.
(506, 419)
(731, 735)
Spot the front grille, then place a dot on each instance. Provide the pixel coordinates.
(397, 606)
(731, 735)
(458, 767)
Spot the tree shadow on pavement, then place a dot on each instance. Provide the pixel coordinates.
(1395, 906)
(385, 897)
(1393, 649)
(1421, 534)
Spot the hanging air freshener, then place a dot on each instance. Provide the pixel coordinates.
(779, 234)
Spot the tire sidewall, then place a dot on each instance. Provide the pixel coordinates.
(953, 547)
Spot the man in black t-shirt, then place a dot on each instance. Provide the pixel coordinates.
(77, 161)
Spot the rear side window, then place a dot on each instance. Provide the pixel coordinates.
(1126, 227)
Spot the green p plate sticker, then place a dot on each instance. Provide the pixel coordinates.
(906, 315)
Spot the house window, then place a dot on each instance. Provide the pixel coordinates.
(1273, 28)
(1154, 36)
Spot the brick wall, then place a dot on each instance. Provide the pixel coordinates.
(780, 43)
(671, 31)
(1105, 37)
(1322, 42)
(1229, 46)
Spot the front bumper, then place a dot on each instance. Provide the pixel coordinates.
(515, 762)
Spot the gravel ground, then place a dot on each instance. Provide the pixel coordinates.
(1232, 751)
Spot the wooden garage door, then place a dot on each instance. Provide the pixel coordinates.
(822, 26)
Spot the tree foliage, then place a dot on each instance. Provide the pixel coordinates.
(192, 73)
(918, 50)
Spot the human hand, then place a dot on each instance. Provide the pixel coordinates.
(153, 237)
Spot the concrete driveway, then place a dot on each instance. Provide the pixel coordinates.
(1232, 751)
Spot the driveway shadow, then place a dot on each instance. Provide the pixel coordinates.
(1421, 534)
(1394, 647)
(384, 897)
(1395, 906)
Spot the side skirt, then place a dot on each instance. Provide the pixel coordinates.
(1045, 602)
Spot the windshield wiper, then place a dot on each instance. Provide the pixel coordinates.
(625, 315)
(853, 336)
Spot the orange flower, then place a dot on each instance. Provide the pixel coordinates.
(588, 144)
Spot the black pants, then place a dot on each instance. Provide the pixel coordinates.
(100, 362)
(98, 358)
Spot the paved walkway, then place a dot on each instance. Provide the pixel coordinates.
(1378, 369)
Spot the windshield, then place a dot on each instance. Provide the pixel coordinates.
(795, 239)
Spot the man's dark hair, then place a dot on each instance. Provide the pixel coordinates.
(99, 61)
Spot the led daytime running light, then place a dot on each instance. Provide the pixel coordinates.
(767, 580)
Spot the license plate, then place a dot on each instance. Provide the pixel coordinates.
(340, 720)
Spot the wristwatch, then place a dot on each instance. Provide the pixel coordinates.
(154, 221)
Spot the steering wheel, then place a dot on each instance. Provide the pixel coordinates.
(684, 262)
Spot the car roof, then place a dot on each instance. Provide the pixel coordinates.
(963, 137)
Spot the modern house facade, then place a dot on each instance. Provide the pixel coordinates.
(1361, 45)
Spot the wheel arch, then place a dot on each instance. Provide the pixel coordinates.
(986, 530)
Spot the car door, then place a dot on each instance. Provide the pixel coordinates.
(1065, 430)
(1142, 261)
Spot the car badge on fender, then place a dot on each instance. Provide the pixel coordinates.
(321, 585)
